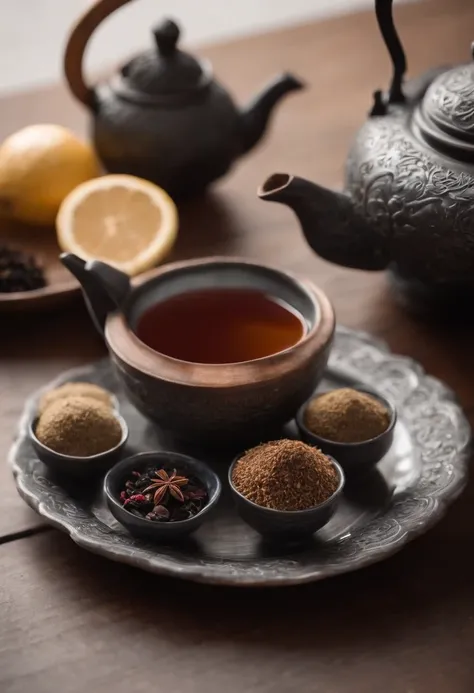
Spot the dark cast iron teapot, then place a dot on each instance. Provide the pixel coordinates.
(163, 117)
(408, 203)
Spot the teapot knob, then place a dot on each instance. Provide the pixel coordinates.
(166, 36)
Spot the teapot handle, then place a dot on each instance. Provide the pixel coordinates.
(384, 14)
(76, 46)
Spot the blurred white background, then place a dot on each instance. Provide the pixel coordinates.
(32, 32)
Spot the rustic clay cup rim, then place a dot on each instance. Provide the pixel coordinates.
(76, 458)
(390, 407)
(125, 346)
(292, 513)
(141, 459)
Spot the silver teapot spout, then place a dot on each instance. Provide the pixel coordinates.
(329, 222)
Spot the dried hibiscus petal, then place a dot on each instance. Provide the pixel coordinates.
(162, 494)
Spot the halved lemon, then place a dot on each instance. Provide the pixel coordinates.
(125, 221)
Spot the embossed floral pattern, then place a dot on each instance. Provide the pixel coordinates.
(415, 197)
(434, 422)
(451, 98)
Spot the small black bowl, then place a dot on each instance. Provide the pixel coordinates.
(353, 456)
(80, 467)
(148, 529)
(286, 524)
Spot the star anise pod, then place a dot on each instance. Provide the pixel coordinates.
(163, 483)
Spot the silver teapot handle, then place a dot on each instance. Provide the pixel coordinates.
(384, 13)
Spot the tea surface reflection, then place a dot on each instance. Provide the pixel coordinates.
(217, 326)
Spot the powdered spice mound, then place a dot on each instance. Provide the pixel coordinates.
(79, 426)
(67, 390)
(346, 416)
(285, 475)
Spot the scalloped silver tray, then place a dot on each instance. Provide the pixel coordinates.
(425, 471)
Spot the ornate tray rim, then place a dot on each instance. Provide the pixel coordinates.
(437, 499)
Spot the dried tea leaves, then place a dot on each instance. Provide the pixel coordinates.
(163, 495)
(19, 272)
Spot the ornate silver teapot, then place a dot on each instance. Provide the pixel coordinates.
(408, 203)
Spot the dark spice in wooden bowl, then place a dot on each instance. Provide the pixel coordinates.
(19, 272)
(285, 475)
(163, 495)
(346, 416)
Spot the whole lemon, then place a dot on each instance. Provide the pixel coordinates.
(39, 166)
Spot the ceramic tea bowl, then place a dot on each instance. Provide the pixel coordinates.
(285, 524)
(353, 457)
(212, 403)
(148, 529)
(79, 467)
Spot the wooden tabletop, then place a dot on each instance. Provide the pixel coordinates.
(73, 622)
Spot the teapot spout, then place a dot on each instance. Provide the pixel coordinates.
(105, 288)
(329, 222)
(255, 117)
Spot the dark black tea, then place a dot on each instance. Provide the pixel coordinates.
(220, 326)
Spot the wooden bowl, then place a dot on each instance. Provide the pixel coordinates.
(216, 403)
(61, 285)
(42, 244)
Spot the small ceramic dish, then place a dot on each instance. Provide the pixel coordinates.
(148, 529)
(286, 524)
(353, 456)
(81, 467)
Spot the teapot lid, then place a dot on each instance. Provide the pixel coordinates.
(446, 114)
(164, 71)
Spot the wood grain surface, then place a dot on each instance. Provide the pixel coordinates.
(72, 622)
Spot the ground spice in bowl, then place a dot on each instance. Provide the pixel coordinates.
(79, 427)
(76, 389)
(285, 475)
(346, 415)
